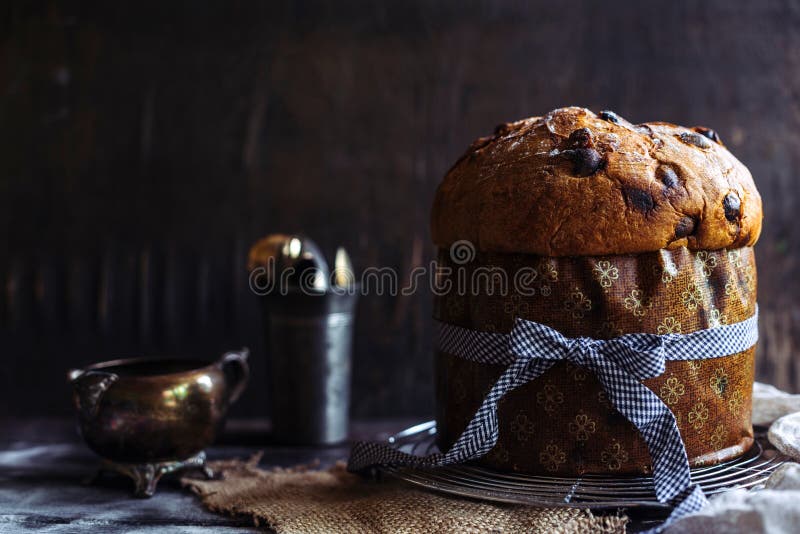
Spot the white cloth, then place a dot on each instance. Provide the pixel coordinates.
(784, 434)
(770, 403)
(773, 509)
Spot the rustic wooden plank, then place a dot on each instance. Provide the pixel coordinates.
(155, 139)
(43, 464)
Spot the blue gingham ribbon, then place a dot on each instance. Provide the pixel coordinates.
(620, 364)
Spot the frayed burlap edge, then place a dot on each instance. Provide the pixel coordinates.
(305, 499)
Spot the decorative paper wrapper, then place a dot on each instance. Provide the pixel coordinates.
(562, 422)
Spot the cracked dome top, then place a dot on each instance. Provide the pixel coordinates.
(576, 183)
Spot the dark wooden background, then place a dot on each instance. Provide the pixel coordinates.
(145, 145)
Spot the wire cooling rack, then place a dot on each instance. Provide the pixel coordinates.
(587, 491)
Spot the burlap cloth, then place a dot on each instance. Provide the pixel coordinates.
(304, 499)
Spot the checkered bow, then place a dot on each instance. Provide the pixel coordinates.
(620, 364)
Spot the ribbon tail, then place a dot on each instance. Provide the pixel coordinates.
(656, 423)
(481, 433)
(691, 500)
(478, 438)
(366, 455)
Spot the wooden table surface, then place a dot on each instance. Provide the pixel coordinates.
(44, 465)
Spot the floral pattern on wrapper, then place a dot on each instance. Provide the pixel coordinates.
(663, 292)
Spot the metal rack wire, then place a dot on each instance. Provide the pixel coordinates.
(587, 491)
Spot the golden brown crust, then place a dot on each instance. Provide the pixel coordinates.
(575, 183)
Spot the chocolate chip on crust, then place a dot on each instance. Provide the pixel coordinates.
(668, 176)
(585, 161)
(581, 138)
(732, 206)
(640, 199)
(610, 116)
(693, 138)
(684, 227)
(708, 132)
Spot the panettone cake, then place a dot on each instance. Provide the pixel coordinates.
(619, 228)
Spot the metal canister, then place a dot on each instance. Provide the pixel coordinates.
(309, 341)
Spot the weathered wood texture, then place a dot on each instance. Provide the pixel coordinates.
(143, 146)
(43, 464)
